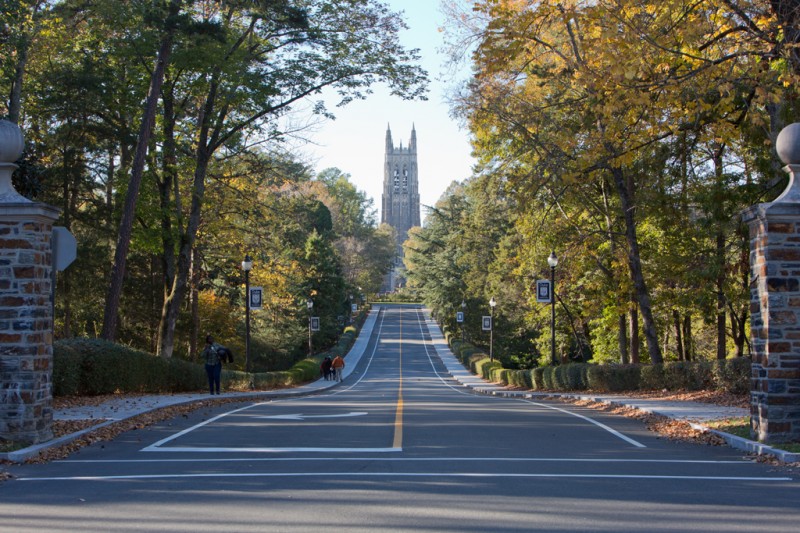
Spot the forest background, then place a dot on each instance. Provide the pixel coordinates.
(157, 128)
(624, 135)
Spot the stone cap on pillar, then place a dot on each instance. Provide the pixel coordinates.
(11, 146)
(14, 206)
(788, 147)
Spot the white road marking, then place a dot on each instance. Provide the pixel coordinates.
(565, 411)
(157, 446)
(268, 449)
(741, 462)
(300, 416)
(402, 475)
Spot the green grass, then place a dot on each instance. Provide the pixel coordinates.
(740, 427)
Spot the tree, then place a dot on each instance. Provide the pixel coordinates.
(272, 59)
(170, 27)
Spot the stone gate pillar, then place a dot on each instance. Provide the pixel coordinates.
(26, 322)
(775, 304)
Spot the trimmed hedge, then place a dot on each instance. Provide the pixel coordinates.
(90, 367)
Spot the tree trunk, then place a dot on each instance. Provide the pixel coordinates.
(114, 294)
(206, 145)
(195, 306)
(688, 349)
(635, 267)
(676, 323)
(15, 94)
(720, 221)
(634, 327)
(622, 340)
(165, 185)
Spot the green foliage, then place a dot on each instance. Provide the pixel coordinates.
(537, 378)
(732, 375)
(93, 366)
(613, 378)
(88, 367)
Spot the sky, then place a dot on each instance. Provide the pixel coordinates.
(354, 142)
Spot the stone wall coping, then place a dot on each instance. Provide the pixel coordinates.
(21, 211)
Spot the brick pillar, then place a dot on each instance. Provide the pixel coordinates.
(775, 304)
(26, 322)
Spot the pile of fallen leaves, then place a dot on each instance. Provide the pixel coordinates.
(704, 396)
(664, 426)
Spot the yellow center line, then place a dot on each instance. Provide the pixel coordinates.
(398, 419)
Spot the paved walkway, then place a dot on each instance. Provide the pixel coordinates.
(695, 413)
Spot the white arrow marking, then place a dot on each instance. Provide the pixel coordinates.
(301, 416)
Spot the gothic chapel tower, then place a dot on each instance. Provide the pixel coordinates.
(400, 208)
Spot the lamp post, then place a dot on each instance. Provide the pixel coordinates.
(247, 265)
(553, 261)
(463, 319)
(310, 305)
(492, 303)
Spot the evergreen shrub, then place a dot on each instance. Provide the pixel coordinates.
(537, 377)
(732, 375)
(613, 378)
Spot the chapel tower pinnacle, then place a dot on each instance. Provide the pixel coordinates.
(400, 206)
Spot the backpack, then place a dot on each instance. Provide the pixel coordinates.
(224, 354)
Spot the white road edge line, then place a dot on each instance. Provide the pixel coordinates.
(424, 459)
(156, 447)
(586, 418)
(400, 474)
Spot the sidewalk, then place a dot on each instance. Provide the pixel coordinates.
(117, 409)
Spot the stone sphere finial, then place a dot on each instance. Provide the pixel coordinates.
(788, 144)
(11, 142)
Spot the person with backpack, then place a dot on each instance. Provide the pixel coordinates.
(337, 366)
(213, 359)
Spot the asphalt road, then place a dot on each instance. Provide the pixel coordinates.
(398, 446)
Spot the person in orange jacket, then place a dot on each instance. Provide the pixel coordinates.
(338, 365)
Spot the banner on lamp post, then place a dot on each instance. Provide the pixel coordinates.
(543, 291)
(256, 297)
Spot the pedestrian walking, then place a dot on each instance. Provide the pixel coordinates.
(325, 367)
(338, 365)
(213, 362)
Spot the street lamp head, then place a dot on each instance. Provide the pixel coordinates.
(492, 302)
(463, 304)
(552, 260)
(247, 264)
(310, 303)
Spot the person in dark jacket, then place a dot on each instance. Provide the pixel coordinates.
(325, 368)
(213, 362)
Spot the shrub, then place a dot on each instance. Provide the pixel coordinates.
(613, 378)
(537, 378)
(548, 378)
(560, 380)
(732, 375)
(682, 375)
(94, 366)
(576, 376)
(653, 377)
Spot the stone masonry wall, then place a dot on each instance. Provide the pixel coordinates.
(775, 321)
(25, 330)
